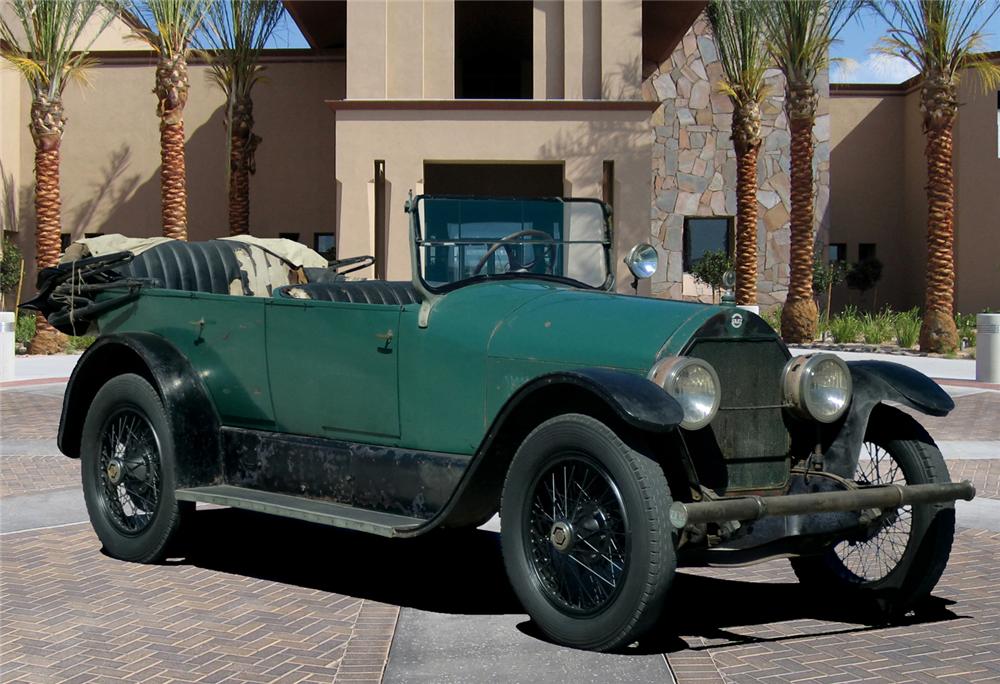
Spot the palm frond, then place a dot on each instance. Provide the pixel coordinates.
(738, 28)
(168, 26)
(51, 47)
(941, 37)
(237, 31)
(801, 32)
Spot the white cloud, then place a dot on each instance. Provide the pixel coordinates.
(876, 68)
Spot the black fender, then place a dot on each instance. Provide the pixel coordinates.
(188, 406)
(875, 382)
(631, 399)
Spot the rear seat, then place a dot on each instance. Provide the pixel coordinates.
(395, 293)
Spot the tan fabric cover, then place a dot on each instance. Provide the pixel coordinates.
(295, 253)
(108, 244)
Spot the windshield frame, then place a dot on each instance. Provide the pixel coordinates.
(417, 242)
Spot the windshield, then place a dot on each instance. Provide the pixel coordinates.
(464, 239)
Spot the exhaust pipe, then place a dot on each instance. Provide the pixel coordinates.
(756, 507)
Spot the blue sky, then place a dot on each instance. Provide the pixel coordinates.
(861, 66)
(856, 42)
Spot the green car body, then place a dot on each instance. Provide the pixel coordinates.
(399, 409)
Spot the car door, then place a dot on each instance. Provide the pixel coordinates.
(333, 368)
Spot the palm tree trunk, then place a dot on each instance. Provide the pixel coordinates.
(746, 222)
(239, 188)
(938, 332)
(47, 122)
(171, 91)
(798, 316)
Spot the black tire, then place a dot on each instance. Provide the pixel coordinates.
(127, 462)
(904, 578)
(625, 497)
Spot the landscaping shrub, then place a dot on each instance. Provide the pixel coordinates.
(877, 328)
(79, 344)
(846, 326)
(772, 317)
(966, 324)
(907, 327)
(24, 330)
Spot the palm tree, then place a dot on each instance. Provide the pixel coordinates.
(940, 38)
(739, 36)
(169, 26)
(238, 30)
(799, 35)
(46, 41)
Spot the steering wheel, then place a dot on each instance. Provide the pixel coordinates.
(505, 243)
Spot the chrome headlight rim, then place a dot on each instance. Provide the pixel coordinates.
(795, 378)
(665, 373)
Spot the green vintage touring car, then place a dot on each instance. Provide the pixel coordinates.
(615, 435)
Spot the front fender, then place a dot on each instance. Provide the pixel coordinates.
(876, 382)
(189, 409)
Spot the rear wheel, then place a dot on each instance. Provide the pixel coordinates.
(586, 540)
(896, 564)
(127, 462)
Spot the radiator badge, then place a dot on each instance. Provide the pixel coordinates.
(736, 320)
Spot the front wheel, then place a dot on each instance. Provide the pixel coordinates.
(586, 540)
(127, 462)
(895, 565)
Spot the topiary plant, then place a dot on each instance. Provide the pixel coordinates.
(710, 269)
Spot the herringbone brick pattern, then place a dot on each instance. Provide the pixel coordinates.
(773, 631)
(30, 414)
(984, 474)
(72, 614)
(974, 418)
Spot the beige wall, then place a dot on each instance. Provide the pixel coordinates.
(405, 139)
(110, 152)
(879, 176)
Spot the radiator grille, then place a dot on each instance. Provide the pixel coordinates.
(749, 433)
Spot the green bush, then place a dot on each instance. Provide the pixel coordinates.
(966, 324)
(877, 328)
(24, 330)
(907, 327)
(773, 317)
(710, 269)
(79, 344)
(846, 326)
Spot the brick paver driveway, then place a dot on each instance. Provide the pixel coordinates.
(255, 599)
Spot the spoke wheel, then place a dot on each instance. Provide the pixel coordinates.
(895, 562)
(129, 471)
(577, 535)
(585, 534)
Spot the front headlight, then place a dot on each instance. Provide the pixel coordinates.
(818, 386)
(693, 383)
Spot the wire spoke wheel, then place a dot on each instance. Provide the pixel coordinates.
(873, 557)
(129, 471)
(576, 533)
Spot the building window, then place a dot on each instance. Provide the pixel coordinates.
(706, 234)
(294, 237)
(837, 251)
(866, 251)
(325, 244)
(493, 50)
(65, 240)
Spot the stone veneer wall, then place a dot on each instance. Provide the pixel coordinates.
(694, 166)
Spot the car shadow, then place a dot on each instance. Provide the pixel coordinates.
(462, 572)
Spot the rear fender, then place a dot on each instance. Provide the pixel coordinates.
(876, 382)
(187, 404)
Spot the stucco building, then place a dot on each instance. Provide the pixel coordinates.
(615, 99)
(879, 205)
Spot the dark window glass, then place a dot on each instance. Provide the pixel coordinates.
(325, 244)
(837, 251)
(706, 234)
(866, 250)
(289, 236)
(65, 240)
(493, 49)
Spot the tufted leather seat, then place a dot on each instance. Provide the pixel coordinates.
(396, 293)
(193, 266)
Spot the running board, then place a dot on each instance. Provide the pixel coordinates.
(310, 510)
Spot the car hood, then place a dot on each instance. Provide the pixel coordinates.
(594, 328)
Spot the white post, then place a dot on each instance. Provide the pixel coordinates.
(7, 322)
(988, 347)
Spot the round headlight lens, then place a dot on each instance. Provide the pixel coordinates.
(818, 386)
(642, 260)
(695, 386)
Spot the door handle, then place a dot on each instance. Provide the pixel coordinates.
(387, 338)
